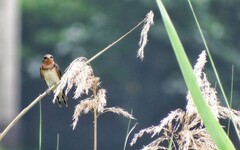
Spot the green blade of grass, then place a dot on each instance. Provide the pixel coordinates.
(214, 128)
(170, 143)
(231, 95)
(128, 128)
(57, 145)
(40, 126)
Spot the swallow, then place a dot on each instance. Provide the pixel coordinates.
(51, 74)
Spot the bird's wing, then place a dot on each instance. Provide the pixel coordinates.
(58, 71)
(41, 74)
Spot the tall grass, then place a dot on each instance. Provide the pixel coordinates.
(57, 145)
(40, 127)
(231, 98)
(80, 74)
(213, 66)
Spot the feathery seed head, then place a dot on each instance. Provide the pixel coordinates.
(102, 102)
(209, 93)
(83, 107)
(78, 74)
(144, 34)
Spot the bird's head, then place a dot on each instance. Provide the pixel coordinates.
(48, 59)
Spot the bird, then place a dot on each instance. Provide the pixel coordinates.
(51, 74)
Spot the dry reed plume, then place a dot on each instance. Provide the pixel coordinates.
(148, 22)
(80, 74)
(185, 128)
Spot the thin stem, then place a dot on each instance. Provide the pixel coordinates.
(95, 129)
(109, 46)
(95, 112)
(231, 96)
(170, 143)
(57, 148)
(40, 126)
(127, 136)
(209, 55)
(24, 111)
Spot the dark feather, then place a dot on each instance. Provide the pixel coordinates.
(41, 74)
(58, 71)
(61, 99)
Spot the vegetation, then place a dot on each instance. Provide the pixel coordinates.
(151, 88)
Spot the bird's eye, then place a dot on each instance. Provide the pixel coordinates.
(51, 56)
(44, 57)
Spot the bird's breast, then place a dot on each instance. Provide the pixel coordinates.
(51, 77)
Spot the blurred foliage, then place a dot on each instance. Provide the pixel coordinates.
(152, 88)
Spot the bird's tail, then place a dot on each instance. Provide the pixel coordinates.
(62, 98)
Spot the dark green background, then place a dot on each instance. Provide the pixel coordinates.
(151, 89)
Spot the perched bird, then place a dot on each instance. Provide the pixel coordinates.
(51, 74)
